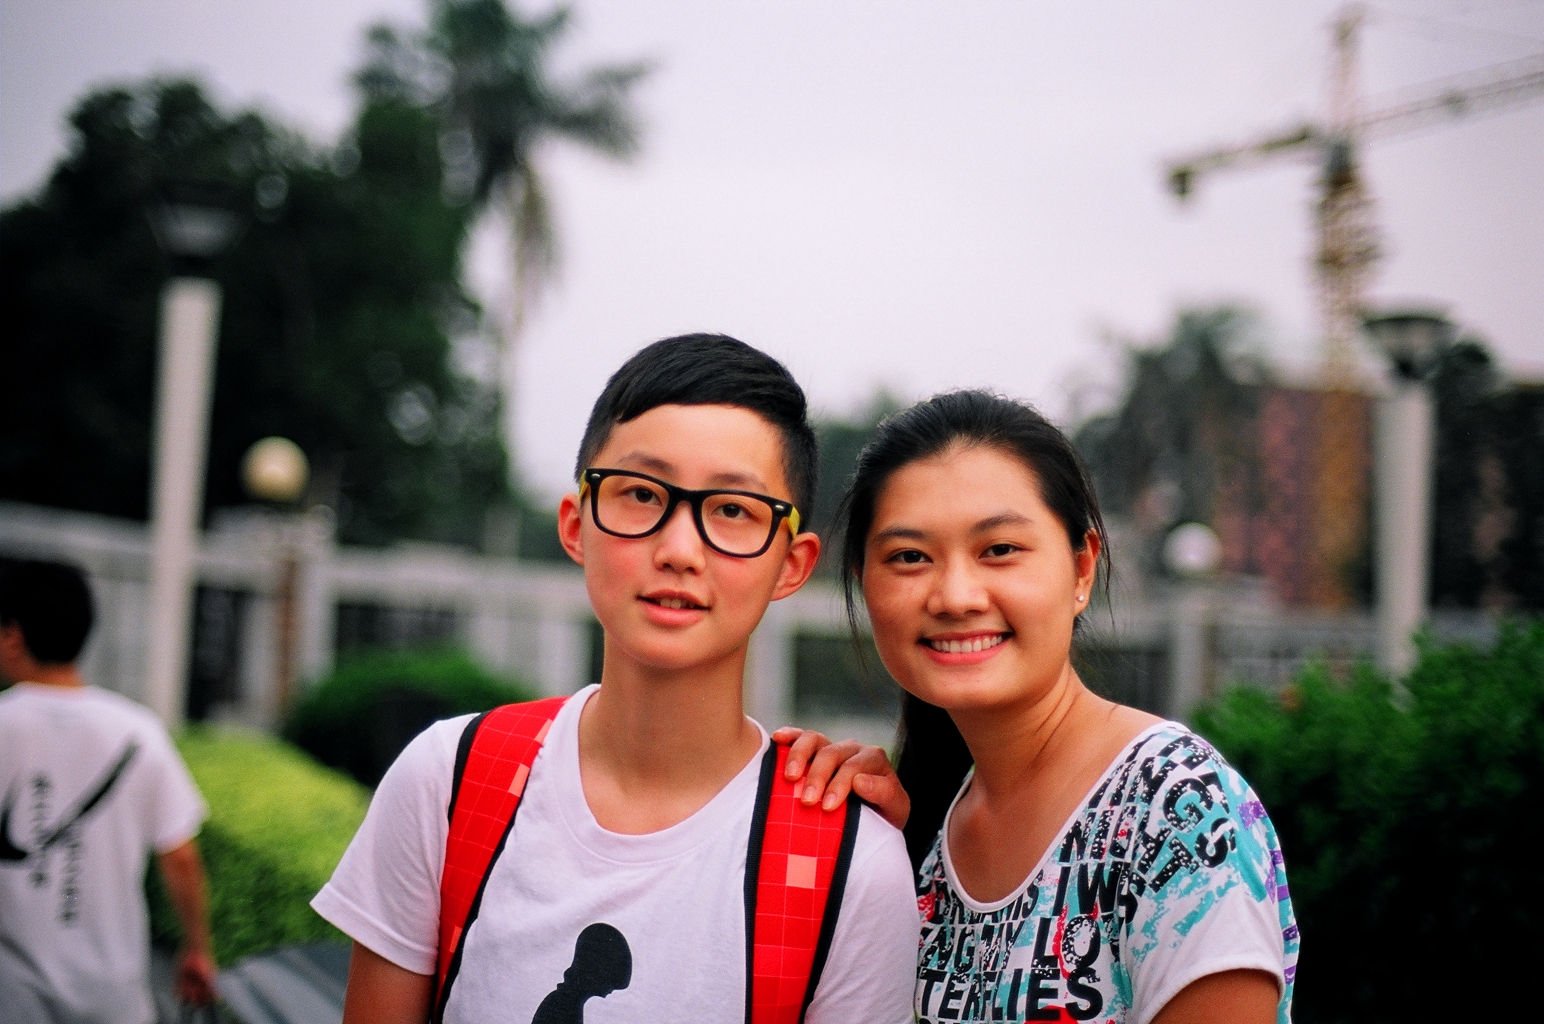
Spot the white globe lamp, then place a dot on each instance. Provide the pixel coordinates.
(275, 469)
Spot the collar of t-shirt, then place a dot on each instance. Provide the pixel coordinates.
(563, 792)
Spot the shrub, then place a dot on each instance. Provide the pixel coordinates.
(278, 823)
(1407, 821)
(360, 717)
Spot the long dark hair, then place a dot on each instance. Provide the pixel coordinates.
(934, 758)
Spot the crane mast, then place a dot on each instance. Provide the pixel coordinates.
(1348, 234)
(1348, 250)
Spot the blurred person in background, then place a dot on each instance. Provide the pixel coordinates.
(90, 784)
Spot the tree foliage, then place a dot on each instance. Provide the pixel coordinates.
(341, 299)
(360, 716)
(1402, 818)
(1188, 432)
(1488, 530)
(1160, 458)
(840, 441)
(278, 825)
(485, 73)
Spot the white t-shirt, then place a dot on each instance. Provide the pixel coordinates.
(91, 785)
(1167, 872)
(674, 900)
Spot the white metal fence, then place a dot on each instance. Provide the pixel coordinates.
(1163, 648)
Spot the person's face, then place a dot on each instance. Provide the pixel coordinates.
(970, 580)
(668, 601)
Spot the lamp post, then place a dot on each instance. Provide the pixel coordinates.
(193, 233)
(1403, 440)
(1192, 554)
(275, 470)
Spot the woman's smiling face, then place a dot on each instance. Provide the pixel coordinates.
(971, 582)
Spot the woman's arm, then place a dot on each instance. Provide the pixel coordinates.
(832, 770)
(1231, 997)
(380, 992)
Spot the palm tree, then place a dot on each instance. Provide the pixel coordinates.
(485, 71)
(499, 103)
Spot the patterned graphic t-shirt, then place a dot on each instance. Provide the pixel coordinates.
(1169, 871)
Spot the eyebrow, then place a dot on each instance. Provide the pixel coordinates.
(650, 462)
(655, 464)
(1001, 519)
(746, 480)
(989, 523)
(900, 533)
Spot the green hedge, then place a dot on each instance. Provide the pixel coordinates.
(360, 717)
(1411, 826)
(278, 823)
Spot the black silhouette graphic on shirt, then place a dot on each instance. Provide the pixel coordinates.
(602, 964)
(46, 838)
(66, 834)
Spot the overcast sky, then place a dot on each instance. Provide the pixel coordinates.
(906, 195)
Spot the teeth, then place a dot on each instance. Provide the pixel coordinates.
(674, 602)
(972, 646)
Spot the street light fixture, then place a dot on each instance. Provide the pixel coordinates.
(1404, 436)
(275, 470)
(1412, 340)
(188, 231)
(194, 223)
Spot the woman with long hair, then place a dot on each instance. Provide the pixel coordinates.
(1078, 860)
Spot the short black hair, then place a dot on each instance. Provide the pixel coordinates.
(710, 369)
(51, 603)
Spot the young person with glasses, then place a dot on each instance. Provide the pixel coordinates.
(625, 889)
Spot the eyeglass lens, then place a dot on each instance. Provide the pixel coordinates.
(633, 506)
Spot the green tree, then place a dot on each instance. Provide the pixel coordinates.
(840, 442)
(1402, 819)
(485, 72)
(1160, 458)
(341, 299)
(1488, 526)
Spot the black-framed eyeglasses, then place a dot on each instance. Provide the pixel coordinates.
(741, 524)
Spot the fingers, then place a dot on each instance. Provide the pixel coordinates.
(866, 761)
(833, 770)
(823, 769)
(195, 978)
(805, 744)
(885, 795)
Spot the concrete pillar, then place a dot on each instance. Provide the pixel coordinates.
(317, 601)
(1190, 652)
(563, 653)
(258, 704)
(190, 313)
(1402, 489)
(769, 670)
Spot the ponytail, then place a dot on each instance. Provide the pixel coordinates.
(932, 765)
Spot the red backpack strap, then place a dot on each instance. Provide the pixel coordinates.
(493, 761)
(795, 871)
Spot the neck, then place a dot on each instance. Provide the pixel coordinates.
(658, 730)
(61, 675)
(1011, 749)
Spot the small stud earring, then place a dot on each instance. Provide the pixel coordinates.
(1080, 598)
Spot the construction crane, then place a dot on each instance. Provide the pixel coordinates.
(1348, 243)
